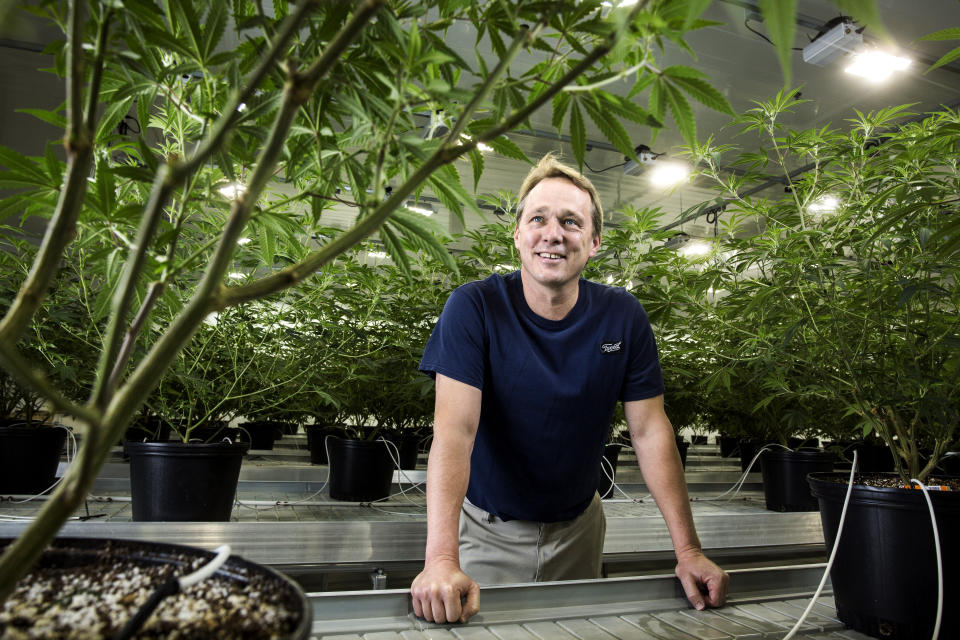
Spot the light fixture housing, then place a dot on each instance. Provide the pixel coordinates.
(840, 39)
(634, 168)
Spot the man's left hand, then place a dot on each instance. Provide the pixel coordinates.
(703, 581)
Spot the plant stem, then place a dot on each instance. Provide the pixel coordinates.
(368, 224)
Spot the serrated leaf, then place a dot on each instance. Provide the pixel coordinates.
(22, 167)
(780, 18)
(50, 117)
(947, 58)
(561, 103)
(507, 147)
(105, 187)
(425, 234)
(705, 94)
(658, 102)
(216, 23)
(681, 71)
(610, 127)
(395, 250)
(54, 169)
(695, 9)
(630, 110)
(953, 33)
(111, 118)
(682, 114)
(143, 109)
(268, 244)
(578, 134)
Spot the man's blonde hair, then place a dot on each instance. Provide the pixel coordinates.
(550, 167)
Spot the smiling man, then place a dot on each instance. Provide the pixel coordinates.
(529, 368)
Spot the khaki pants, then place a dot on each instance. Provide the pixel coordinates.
(496, 552)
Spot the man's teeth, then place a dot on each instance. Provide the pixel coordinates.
(550, 255)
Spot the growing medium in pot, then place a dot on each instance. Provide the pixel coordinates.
(89, 588)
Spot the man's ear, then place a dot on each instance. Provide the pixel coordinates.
(595, 245)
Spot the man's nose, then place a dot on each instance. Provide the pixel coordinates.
(553, 230)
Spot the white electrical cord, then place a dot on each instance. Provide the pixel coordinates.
(936, 543)
(833, 552)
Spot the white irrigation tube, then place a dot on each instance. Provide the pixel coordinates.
(936, 542)
(833, 552)
(306, 502)
(171, 586)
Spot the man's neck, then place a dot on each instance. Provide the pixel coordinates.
(548, 302)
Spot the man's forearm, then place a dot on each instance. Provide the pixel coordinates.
(448, 472)
(663, 474)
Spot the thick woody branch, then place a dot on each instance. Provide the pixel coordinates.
(367, 225)
(209, 290)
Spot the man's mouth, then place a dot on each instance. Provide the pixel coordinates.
(550, 256)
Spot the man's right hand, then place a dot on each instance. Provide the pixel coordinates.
(438, 590)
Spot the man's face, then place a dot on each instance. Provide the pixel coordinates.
(555, 234)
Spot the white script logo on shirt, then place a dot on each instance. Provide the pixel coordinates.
(610, 347)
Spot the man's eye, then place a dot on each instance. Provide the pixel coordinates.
(536, 219)
(571, 222)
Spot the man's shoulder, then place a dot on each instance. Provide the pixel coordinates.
(611, 295)
(494, 284)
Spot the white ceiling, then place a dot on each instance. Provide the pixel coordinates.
(740, 64)
(745, 68)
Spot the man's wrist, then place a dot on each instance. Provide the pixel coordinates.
(436, 559)
(688, 551)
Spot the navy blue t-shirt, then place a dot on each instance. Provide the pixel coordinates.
(549, 389)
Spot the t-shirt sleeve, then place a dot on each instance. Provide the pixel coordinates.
(456, 346)
(643, 379)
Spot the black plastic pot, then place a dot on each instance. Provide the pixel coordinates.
(72, 554)
(262, 433)
(360, 470)
(316, 436)
(408, 445)
(29, 457)
(608, 464)
(785, 485)
(748, 449)
(729, 446)
(173, 481)
(884, 576)
(698, 439)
